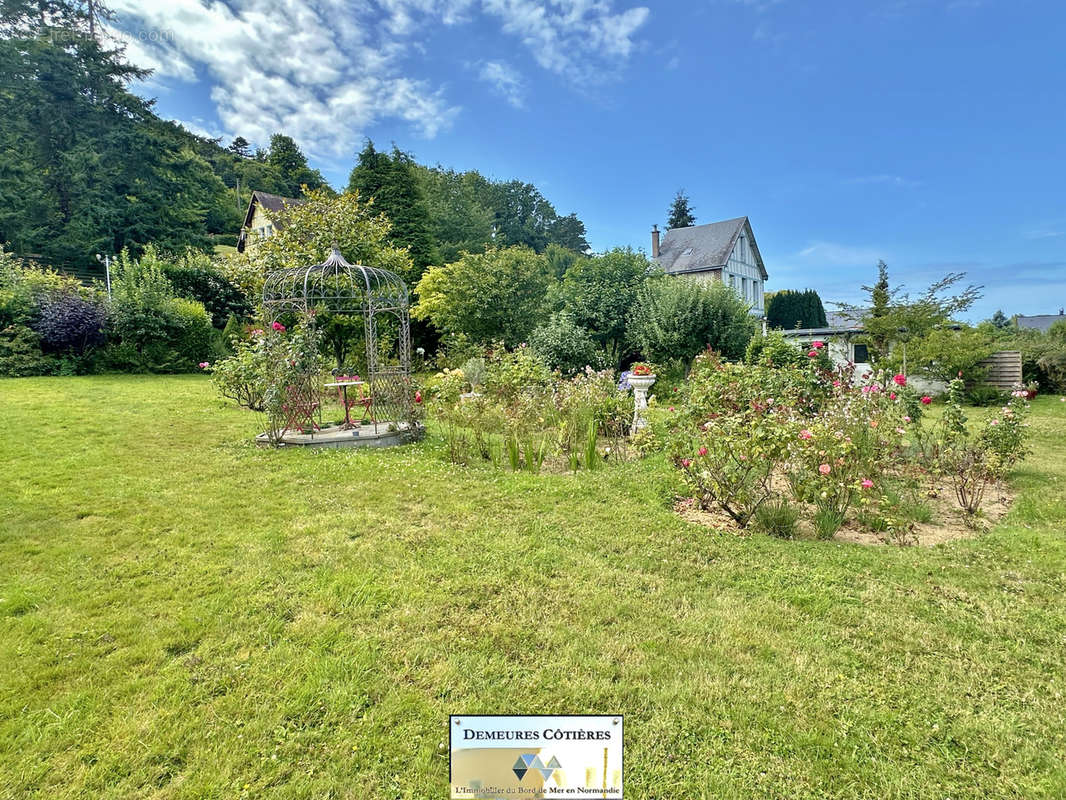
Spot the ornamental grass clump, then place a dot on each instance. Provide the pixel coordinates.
(777, 518)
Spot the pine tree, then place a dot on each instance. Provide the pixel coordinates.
(880, 299)
(291, 164)
(393, 183)
(1000, 320)
(240, 147)
(681, 215)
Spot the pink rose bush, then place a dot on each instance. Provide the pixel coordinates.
(773, 434)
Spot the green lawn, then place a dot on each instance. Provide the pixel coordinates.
(184, 615)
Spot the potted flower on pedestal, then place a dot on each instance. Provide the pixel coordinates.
(640, 378)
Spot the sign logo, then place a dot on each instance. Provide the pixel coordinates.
(536, 756)
(529, 761)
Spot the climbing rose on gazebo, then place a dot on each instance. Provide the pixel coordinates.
(278, 327)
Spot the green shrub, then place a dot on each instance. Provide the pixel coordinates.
(154, 331)
(944, 353)
(511, 372)
(985, 395)
(195, 277)
(564, 345)
(678, 318)
(21, 356)
(777, 518)
(191, 335)
(774, 350)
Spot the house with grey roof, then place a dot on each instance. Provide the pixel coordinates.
(258, 224)
(722, 251)
(1040, 322)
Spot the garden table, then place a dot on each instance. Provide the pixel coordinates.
(343, 386)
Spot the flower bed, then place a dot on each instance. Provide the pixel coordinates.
(791, 447)
(511, 411)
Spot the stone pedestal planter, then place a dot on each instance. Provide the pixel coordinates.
(640, 384)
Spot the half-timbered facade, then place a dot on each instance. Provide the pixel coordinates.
(724, 251)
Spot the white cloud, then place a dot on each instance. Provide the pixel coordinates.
(505, 80)
(884, 179)
(323, 71)
(842, 255)
(574, 38)
(1043, 234)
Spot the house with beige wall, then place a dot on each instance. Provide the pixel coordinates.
(257, 222)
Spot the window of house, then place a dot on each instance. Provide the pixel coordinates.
(744, 288)
(860, 354)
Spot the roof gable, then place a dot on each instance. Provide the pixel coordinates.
(704, 247)
(271, 202)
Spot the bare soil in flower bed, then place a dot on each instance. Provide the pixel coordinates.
(948, 523)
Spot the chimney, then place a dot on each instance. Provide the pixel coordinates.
(654, 241)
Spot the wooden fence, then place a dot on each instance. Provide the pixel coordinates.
(1004, 369)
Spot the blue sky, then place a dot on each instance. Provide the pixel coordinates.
(929, 133)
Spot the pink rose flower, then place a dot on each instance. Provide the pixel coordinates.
(926, 400)
(891, 395)
(204, 365)
(812, 354)
(686, 462)
(824, 469)
(817, 345)
(906, 419)
(901, 380)
(278, 327)
(867, 483)
(703, 451)
(806, 434)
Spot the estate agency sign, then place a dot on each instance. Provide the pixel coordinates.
(536, 756)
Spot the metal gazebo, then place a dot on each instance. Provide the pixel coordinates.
(342, 288)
